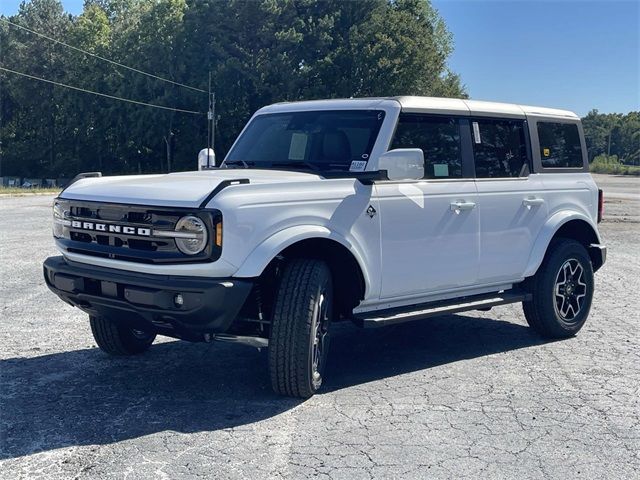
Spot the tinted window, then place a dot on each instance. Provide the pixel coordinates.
(321, 140)
(437, 137)
(559, 145)
(499, 148)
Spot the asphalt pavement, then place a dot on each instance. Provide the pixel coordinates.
(477, 395)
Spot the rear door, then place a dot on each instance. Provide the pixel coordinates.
(511, 201)
(430, 227)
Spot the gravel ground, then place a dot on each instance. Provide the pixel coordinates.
(466, 396)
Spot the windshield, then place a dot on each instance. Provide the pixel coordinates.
(317, 140)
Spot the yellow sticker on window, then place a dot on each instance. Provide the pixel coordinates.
(546, 152)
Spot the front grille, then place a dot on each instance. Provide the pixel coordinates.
(102, 241)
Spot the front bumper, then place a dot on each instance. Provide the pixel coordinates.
(209, 305)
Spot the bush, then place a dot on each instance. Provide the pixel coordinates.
(612, 166)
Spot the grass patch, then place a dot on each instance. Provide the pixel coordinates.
(27, 191)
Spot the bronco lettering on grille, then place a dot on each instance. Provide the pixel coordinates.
(110, 228)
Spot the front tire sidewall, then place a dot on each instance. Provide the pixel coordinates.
(325, 293)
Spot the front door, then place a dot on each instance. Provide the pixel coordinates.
(430, 227)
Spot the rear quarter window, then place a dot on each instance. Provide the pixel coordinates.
(559, 145)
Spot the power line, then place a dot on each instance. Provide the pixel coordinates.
(101, 94)
(102, 58)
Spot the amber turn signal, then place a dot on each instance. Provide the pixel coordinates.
(219, 234)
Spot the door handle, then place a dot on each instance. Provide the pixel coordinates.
(532, 202)
(460, 205)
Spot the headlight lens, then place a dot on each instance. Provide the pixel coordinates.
(195, 235)
(60, 220)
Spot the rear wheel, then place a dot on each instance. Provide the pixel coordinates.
(562, 291)
(299, 337)
(119, 340)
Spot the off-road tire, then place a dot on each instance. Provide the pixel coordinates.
(303, 298)
(543, 311)
(119, 340)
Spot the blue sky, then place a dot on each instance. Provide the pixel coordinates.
(573, 54)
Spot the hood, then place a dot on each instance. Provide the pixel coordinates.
(185, 189)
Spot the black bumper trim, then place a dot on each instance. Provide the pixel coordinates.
(209, 305)
(598, 254)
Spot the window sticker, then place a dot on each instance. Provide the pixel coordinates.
(546, 152)
(298, 146)
(476, 132)
(440, 170)
(358, 166)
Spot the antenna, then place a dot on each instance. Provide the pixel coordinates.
(211, 117)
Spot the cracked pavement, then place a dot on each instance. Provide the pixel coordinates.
(476, 395)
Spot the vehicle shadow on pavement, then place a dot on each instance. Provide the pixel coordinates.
(372, 354)
(83, 397)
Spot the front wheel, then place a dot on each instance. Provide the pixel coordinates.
(562, 291)
(119, 340)
(300, 328)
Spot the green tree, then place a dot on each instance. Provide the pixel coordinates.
(33, 111)
(258, 51)
(613, 134)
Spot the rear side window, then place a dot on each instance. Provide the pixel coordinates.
(439, 140)
(499, 148)
(559, 145)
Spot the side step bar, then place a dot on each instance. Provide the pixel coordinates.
(418, 312)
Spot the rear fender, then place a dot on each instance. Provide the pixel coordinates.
(550, 228)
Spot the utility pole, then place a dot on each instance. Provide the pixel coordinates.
(167, 141)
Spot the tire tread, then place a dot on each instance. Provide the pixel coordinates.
(290, 329)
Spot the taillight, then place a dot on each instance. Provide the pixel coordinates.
(600, 204)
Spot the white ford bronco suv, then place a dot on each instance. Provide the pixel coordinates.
(378, 211)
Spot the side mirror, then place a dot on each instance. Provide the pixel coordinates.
(403, 164)
(206, 159)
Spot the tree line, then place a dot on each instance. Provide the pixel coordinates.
(613, 136)
(258, 52)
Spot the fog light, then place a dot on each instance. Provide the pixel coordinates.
(178, 299)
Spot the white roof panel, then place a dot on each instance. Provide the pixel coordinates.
(548, 112)
(451, 106)
(492, 109)
(333, 104)
(436, 105)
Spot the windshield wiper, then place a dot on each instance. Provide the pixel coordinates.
(300, 165)
(240, 162)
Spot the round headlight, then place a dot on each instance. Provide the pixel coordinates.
(193, 238)
(59, 220)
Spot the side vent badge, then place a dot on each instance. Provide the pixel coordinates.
(371, 211)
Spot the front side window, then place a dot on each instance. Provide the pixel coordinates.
(559, 145)
(316, 140)
(439, 140)
(499, 148)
